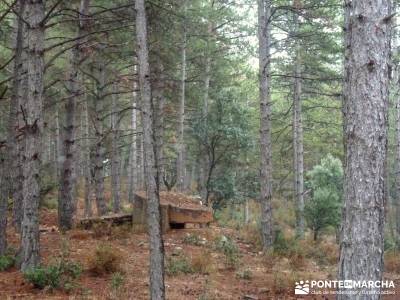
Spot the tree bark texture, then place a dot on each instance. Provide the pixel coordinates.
(32, 110)
(66, 197)
(181, 163)
(99, 145)
(365, 128)
(157, 288)
(115, 154)
(298, 128)
(15, 146)
(264, 13)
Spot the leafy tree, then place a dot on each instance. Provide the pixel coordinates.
(325, 183)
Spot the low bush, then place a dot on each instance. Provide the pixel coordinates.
(202, 263)
(61, 275)
(105, 260)
(245, 274)
(229, 248)
(178, 265)
(44, 277)
(6, 262)
(192, 239)
(282, 283)
(117, 281)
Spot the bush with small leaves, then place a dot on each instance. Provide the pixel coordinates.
(61, 275)
(192, 239)
(44, 277)
(202, 263)
(229, 248)
(245, 274)
(105, 259)
(6, 262)
(178, 265)
(117, 281)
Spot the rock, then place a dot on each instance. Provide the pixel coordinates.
(263, 290)
(250, 297)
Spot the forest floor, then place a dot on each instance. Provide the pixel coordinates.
(250, 275)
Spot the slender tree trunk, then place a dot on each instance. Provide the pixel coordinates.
(99, 147)
(33, 130)
(264, 14)
(88, 212)
(157, 288)
(205, 161)
(158, 120)
(397, 198)
(133, 165)
(181, 163)
(57, 138)
(298, 129)
(14, 144)
(3, 202)
(115, 155)
(66, 197)
(366, 121)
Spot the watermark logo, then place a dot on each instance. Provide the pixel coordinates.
(349, 287)
(302, 288)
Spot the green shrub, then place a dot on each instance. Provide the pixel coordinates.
(326, 184)
(178, 265)
(229, 248)
(285, 246)
(105, 259)
(117, 281)
(60, 275)
(192, 239)
(245, 274)
(6, 262)
(43, 277)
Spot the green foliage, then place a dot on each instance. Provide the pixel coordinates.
(117, 281)
(284, 246)
(6, 262)
(245, 274)
(44, 277)
(54, 276)
(178, 265)
(61, 274)
(325, 181)
(229, 248)
(105, 259)
(192, 239)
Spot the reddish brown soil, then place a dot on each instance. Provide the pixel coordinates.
(221, 282)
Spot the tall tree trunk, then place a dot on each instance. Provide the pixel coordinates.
(366, 121)
(133, 165)
(14, 141)
(396, 200)
(3, 201)
(66, 197)
(115, 155)
(397, 197)
(57, 139)
(158, 120)
(157, 288)
(99, 146)
(298, 128)
(33, 117)
(88, 212)
(264, 14)
(181, 163)
(205, 160)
